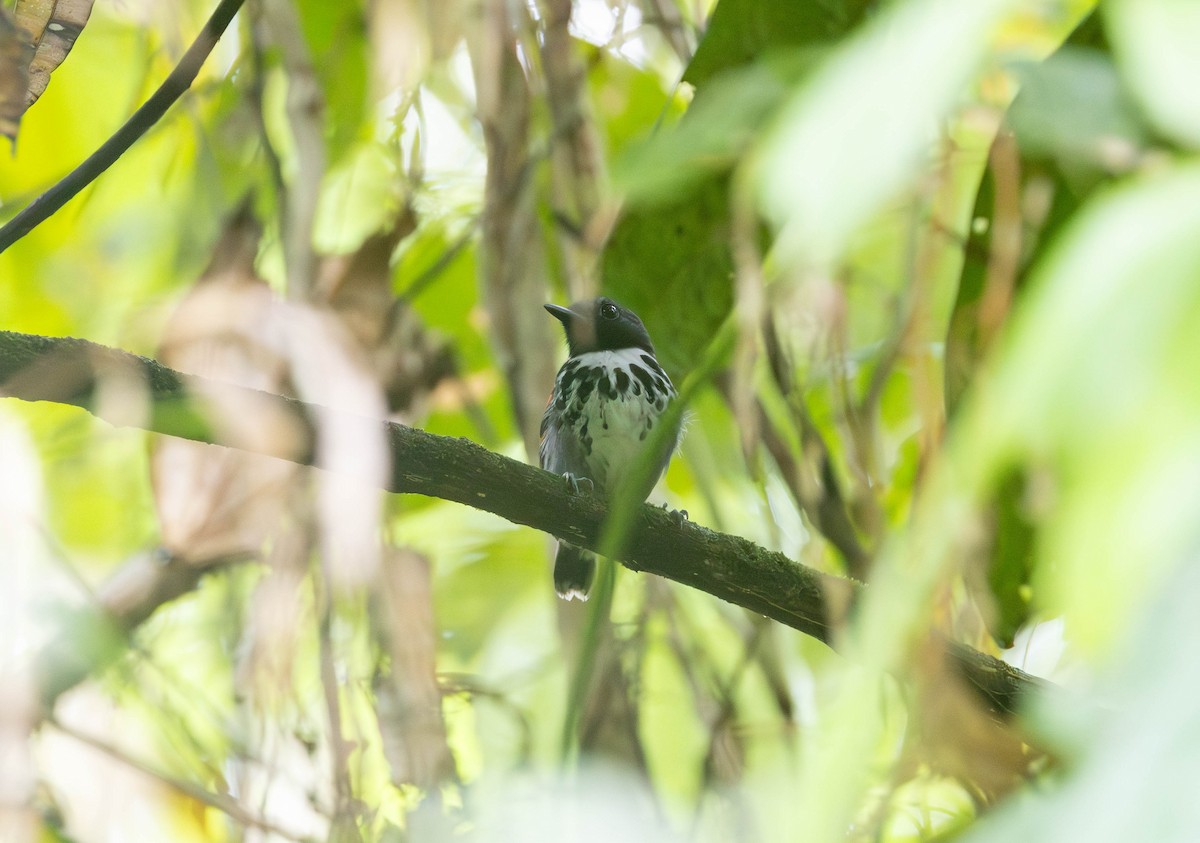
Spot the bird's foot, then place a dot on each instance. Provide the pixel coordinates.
(679, 516)
(578, 484)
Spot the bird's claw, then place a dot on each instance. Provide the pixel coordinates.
(579, 485)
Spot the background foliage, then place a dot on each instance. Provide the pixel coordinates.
(941, 260)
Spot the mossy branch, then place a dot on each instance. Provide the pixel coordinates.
(71, 371)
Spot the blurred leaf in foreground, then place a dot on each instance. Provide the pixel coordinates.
(1156, 43)
(1098, 383)
(740, 30)
(849, 139)
(1133, 745)
(1071, 129)
(713, 136)
(1073, 110)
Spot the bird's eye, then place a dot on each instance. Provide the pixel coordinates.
(608, 310)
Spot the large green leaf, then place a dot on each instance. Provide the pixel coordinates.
(1073, 110)
(1133, 744)
(715, 133)
(852, 137)
(1072, 125)
(1156, 43)
(1096, 384)
(669, 257)
(335, 35)
(673, 266)
(740, 30)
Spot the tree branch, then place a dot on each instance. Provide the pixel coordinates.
(73, 371)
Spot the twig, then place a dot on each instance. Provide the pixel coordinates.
(222, 802)
(172, 88)
(339, 747)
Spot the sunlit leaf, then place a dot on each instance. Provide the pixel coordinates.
(1155, 41)
(714, 134)
(335, 35)
(1140, 717)
(851, 137)
(1093, 376)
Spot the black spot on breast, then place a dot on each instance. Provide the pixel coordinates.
(652, 364)
(647, 380)
(587, 382)
(622, 382)
(606, 387)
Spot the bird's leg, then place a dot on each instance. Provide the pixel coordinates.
(578, 484)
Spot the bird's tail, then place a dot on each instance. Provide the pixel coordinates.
(574, 569)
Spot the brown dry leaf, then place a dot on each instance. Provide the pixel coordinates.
(400, 48)
(409, 701)
(34, 40)
(55, 40)
(957, 737)
(358, 286)
(609, 727)
(405, 357)
(275, 623)
(330, 372)
(16, 51)
(215, 501)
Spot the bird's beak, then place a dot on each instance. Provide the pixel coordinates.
(580, 330)
(562, 314)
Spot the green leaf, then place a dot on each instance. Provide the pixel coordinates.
(740, 30)
(335, 33)
(853, 137)
(672, 265)
(1064, 155)
(713, 136)
(1156, 42)
(1011, 565)
(1074, 110)
(1132, 771)
(1098, 381)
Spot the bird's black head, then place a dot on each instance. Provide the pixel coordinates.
(601, 325)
